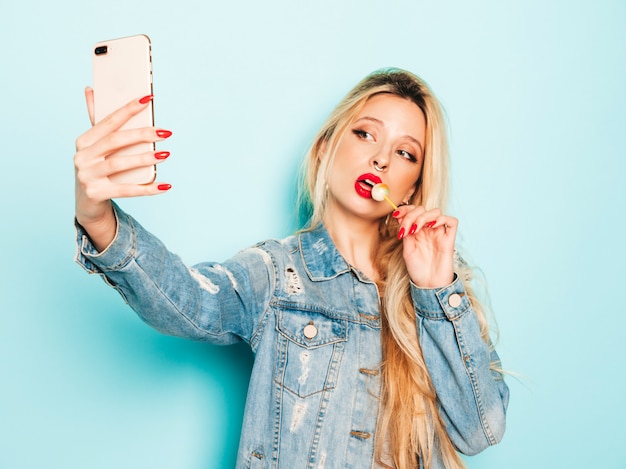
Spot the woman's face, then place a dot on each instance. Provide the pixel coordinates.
(384, 144)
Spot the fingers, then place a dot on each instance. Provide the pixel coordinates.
(112, 122)
(101, 191)
(119, 163)
(94, 183)
(116, 141)
(136, 190)
(96, 172)
(98, 160)
(414, 220)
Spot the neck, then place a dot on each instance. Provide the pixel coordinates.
(356, 240)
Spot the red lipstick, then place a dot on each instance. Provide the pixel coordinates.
(364, 183)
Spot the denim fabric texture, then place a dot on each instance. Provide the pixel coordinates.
(313, 324)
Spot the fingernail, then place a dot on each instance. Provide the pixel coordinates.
(163, 133)
(161, 155)
(413, 228)
(164, 187)
(146, 99)
(395, 214)
(401, 233)
(430, 224)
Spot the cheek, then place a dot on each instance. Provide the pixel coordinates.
(350, 151)
(416, 173)
(342, 162)
(409, 180)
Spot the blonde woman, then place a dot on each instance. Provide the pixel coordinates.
(370, 347)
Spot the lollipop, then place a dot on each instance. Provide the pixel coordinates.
(380, 192)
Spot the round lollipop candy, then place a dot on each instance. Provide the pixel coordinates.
(380, 192)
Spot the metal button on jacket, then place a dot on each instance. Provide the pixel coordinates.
(454, 300)
(310, 331)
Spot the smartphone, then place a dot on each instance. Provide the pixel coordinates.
(122, 71)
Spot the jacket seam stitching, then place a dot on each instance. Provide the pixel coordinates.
(467, 362)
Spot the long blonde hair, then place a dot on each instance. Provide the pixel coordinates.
(410, 424)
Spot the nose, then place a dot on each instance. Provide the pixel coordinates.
(379, 164)
(381, 156)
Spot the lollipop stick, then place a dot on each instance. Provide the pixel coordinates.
(395, 207)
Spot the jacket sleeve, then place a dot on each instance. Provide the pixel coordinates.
(219, 303)
(473, 398)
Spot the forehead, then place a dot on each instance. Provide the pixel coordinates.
(395, 114)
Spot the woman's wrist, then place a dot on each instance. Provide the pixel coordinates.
(101, 230)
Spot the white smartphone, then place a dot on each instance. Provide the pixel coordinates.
(122, 71)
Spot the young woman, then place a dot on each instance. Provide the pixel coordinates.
(370, 348)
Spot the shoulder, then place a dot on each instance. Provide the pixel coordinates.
(273, 252)
(278, 247)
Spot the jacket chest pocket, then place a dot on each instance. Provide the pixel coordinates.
(310, 348)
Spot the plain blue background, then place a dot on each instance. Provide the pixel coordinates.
(535, 93)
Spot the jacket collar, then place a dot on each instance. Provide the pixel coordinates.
(322, 260)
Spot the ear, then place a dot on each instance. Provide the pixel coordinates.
(321, 153)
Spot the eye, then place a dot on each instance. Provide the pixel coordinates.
(409, 156)
(362, 134)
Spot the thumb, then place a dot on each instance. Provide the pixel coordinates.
(90, 106)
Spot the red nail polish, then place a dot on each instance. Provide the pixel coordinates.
(395, 214)
(161, 155)
(413, 228)
(146, 99)
(430, 224)
(163, 133)
(164, 187)
(401, 233)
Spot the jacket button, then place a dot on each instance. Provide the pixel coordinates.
(454, 300)
(310, 330)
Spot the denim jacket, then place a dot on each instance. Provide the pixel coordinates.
(313, 324)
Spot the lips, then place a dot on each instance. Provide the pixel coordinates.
(364, 183)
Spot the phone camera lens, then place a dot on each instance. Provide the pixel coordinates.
(101, 50)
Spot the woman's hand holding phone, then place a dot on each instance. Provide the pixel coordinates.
(94, 188)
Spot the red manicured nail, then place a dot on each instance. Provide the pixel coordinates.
(163, 133)
(161, 155)
(401, 233)
(395, 214)
(146, 99)
(164, 187)
(413, 228)
(430, 224)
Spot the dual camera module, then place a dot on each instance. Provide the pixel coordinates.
(101, 50)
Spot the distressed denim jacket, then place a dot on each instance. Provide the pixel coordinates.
(313, 324)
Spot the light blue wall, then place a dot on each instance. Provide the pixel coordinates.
(535, 93)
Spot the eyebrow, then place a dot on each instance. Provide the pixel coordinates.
(378, 121)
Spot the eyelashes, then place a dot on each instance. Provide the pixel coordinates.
(409, 156)
(364, 135)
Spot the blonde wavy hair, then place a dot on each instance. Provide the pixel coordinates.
(410, 426)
